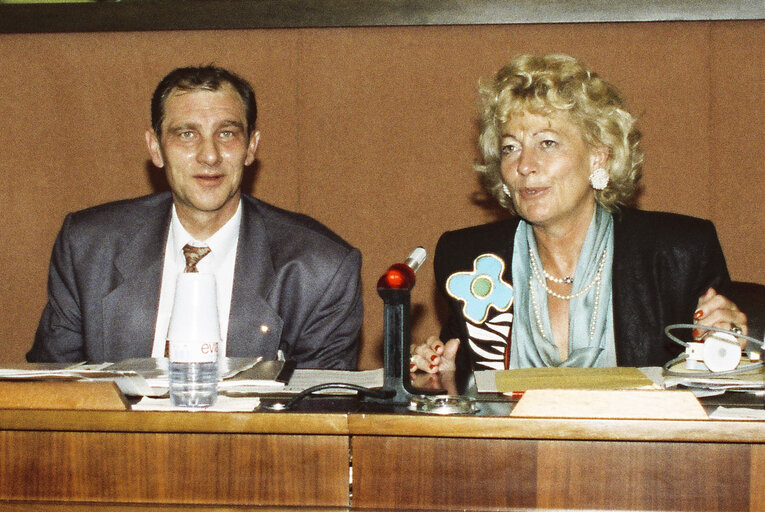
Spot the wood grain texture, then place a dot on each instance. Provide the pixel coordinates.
(101, 396)
(557, 428)
(643, 476)
(482, 474)
(174, 468)
(176, 421)
(7, 506)
(125, 461)
(438, 474)
(756, 486)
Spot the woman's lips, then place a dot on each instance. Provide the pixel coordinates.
(532, 192)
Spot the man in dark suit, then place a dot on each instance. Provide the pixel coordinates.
(284, 281)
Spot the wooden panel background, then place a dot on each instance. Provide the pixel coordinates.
(369, 129)
(174, 468)
(519, 474)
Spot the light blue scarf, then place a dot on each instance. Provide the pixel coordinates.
(532, 348)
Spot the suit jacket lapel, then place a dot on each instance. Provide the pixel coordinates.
(628, 285)
(255, 326)
(130, 309)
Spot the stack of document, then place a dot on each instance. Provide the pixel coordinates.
(702, 383)
(303, 379)
(149, 377)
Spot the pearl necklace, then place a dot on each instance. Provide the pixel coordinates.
(595, 306)
(559, 280)
(543, 282)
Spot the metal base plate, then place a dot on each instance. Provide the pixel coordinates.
(443, 404)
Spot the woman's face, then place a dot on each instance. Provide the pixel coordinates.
(546, 165)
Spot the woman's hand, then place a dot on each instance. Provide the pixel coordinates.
(434, 356)
(435, 381)
(715, 310)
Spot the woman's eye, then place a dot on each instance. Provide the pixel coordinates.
(507, 149)
(549, 143)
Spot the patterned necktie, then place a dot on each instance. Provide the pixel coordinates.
(193, 255)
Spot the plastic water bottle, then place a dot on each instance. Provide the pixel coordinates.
(193, 384)
(193, 336)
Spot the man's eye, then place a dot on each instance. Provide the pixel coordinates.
(186, 135)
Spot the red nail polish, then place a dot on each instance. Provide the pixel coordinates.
(698, 314)
(696, 333)
(432, 366)
(433, 357)
(412, 367)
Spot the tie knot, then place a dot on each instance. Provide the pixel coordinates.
(193, 254)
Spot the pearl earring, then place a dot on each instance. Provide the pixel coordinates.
(599, 178)
(505, 189)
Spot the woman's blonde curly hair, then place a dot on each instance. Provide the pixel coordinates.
(554, 84)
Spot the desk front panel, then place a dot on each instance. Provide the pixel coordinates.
(430, 473)
(202, 468)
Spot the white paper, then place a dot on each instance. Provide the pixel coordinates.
(42, 371)
(134, 377)
(737, 413)
(486, 381)
(303, 379)
(222, 404)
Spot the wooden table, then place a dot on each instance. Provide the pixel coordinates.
(170, 457)
(128, 460)
(438, 463)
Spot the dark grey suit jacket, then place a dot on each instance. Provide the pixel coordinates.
(292, 274)
(663, 263)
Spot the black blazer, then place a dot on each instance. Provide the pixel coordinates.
(663, 263)
(296, 286)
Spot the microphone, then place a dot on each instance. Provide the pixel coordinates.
(402, 275)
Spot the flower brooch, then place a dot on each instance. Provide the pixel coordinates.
(482, 288)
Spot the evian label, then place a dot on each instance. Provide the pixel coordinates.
(193, 351)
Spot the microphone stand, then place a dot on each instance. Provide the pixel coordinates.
(397, 385)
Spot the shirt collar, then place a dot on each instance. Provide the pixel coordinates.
(220, 243)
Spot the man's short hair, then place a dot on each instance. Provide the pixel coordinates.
(208, 78)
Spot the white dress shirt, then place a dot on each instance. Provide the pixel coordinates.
(220, 262)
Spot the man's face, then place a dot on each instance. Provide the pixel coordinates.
(204, 148)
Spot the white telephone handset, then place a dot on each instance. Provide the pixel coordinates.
(718, 354)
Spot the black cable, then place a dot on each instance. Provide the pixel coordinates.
(373, 393)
